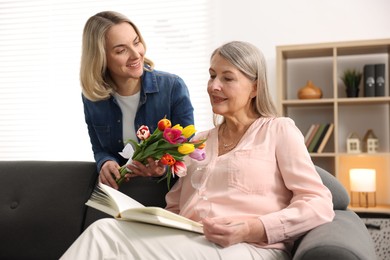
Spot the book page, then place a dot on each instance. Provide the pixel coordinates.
(111, 201)
(145, 216)
(122, 201)
(121, 206)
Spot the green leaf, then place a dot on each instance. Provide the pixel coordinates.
(157, 134)
(351, 78)
(168, 177)
(150, 150)
(164, 144)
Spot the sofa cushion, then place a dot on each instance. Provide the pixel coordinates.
(42, 206)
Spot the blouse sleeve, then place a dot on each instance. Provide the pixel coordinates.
(311, 202)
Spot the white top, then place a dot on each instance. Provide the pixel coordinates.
(129, 106)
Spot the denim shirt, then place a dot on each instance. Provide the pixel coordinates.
(162, 94)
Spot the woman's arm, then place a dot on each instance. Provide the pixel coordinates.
(311, 202)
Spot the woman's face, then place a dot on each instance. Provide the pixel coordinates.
(230, 91)
(124, 51)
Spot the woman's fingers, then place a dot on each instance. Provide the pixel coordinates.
(151, 169)
(109, 173)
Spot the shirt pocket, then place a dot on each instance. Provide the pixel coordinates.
(251, 171)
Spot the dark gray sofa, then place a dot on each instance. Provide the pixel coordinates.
(42, 212)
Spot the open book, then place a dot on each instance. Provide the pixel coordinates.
(121, 206)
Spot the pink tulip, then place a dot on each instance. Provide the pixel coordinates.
(198, 154)
(143, 132)
(173, 135)
(179, 169)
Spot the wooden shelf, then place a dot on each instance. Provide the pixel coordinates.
(323, 63)
(378, 209)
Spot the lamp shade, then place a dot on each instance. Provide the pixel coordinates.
(362, 180)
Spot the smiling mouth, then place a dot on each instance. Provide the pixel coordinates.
(218, 99)
(134, 65)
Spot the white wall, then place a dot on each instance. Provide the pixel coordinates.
(268, 24)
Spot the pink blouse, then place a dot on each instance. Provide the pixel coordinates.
(268, 175)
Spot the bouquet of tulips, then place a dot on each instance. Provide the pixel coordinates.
(168, 144)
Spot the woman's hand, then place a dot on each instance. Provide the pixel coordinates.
(152, 169)
(227, 232)
(109, 173)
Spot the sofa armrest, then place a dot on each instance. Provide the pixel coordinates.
(346, 237)
(340, 197)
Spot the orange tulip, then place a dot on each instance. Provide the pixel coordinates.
(164, 123)
(167, 159)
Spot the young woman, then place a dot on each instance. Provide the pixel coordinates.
(122, 91)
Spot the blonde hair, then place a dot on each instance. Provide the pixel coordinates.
(95, 79)
(250, 61)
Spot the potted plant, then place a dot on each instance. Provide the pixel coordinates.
(351, 79)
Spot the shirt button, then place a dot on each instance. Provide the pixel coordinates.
(119, 141)
(119, 121)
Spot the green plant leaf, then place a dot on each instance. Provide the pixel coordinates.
(351, 78)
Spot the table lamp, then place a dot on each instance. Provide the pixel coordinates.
(363, 181)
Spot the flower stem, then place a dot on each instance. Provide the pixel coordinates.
(123, 171)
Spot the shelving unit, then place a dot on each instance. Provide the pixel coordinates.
(323, 64)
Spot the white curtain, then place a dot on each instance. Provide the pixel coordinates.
(41, 114)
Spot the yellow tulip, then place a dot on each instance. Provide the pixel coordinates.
(186, 148)
(178, 127)
(188, 131)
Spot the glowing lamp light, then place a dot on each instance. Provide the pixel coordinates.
(363, 181)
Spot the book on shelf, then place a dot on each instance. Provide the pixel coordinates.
(316, 138)
(369, 80)
(308, 132)
(325, 140)
(122, 207)
(310, 136)
(317, 145)
(379, 80)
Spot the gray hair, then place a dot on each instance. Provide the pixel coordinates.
(248, 59)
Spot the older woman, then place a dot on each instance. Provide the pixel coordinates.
(256, 191)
